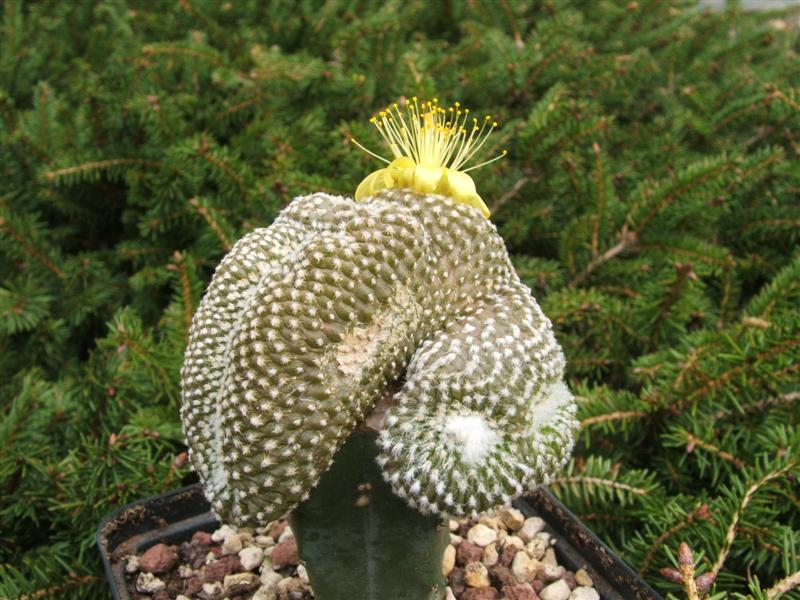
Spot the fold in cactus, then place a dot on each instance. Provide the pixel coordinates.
(309, 322)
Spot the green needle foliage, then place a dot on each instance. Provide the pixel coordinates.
(650, 199)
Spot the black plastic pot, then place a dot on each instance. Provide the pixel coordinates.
(173, 518)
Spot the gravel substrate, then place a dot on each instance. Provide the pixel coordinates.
(501, 555)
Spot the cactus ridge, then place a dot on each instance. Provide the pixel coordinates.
(308, 322)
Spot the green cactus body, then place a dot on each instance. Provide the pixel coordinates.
(361, 542)
(308, 322)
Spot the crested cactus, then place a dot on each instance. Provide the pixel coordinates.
(308, 322)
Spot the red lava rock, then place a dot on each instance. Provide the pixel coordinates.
(202, 537)
(456, 581)
(193, 586)
(465, 527)
(468, 552)
(569, 579)
(162, 595)
(538, 585)
(487, 593)
(216, 550)
(277, 530)
(507, 555)
(285, 553)
(501, 576)
(520, 591)
(158, 559)
(193, 554)
(216, 571)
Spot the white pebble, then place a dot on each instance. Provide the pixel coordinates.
(453, 525)
(524, 567)
(515, 541)
(448, 560)
(584, 593)
(222, 534)
(232, 544)
(455, 540)
(270, 579)
(302, 573)
(556, 591)
(511, 518)
(536, 548)
(582, 578)
(185, 571)
(265, 541)
(476, 575)
(286, 534)
(530, 528)
(147, 583)
(213, 589)
(550, 557)
(131, 563)
(182, 597)
(448, 594)
(490, 555)
(251, 557)
(481, 535)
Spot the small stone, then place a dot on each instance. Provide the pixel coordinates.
(476, 575)
(549, 573)
(512, 518)
(550, 557)
(538, 585)
(161, 595)
(181, 597)
(582, 578)
(222, 534)
(530, 528)
(131, 563)
(536, 548)
(524, 567)
(468, 552)
(193, 585)
(501, 576)
(556, 591)
(453, 526)
(185, 571)
(264, 593)
(487, 593)
(507, 555)
(448, 594)
(545, 538)
(584, 593)
(448, 560)
(265, 541)
(520, 591)
(302, 573)
(285, 553)
(291, 588)
(277, 529)
(219, 569)
(456, 581)
(569, 578)
(286, 534)
(490, 522)
(240, 583)
(481, 535)
(147, 583)
(202, 537)
(158, 559)
(270, 580)
(490, 556)
(515, 541)
(232, 544)
(455, 540)
(212, 589)
(251, 557)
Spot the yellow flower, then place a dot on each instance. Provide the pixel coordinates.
(430, 145)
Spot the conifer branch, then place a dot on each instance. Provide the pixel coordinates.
(207, 56)
(614, 416)
(56, 590)
(598, 481)
(759, 406)
(100, 165)
(212, 222)
(203, 151)
(700, 513)
(627, 240)
(693, 440)
(30, 248)
(730, 536)
(786, 584)
(509, 194)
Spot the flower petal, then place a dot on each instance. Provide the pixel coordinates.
(462, 189)
(366, 187)
(426, 178)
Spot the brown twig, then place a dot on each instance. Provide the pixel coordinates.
(627, 239)
(614, 416)
(784, 585)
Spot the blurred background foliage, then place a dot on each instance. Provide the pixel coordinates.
(651, 200)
